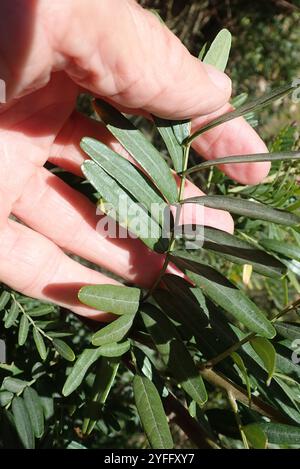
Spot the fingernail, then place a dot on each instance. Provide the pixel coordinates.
(219, 79)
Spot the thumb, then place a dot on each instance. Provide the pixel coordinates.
(115, 49)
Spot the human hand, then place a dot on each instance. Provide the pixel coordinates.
(49, 53)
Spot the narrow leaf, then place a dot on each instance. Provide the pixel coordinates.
(115, 349)
(281, 434)
(287, 330)
(40, 344)
(249, 106)
(14, 385)
(114, 332)
(280, 247)
(111, 298)
(267, 353)
(241, 366)
(12, 315)
(42, 310)
(256, 158)
(123, 208)
(79, 370)
(151, 413)
(4, 299)
(230, 247)
(23, 330)
(225, 294)
(218, 53)
(23, 423)
(124, 172)
(246, 208)
(173, 353)
(174, 148)
(35, 411)
(64, 349)
(5, 398)
(140, 148)
(106, 372)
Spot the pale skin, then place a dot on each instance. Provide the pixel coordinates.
(49, 53)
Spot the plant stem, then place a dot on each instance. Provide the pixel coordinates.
(31, 320)
(172, 238)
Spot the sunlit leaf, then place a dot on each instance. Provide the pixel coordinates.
(218, 53)
(114, 332)
(267, 353)
(64, 349)
(140, 148)
(112, 298)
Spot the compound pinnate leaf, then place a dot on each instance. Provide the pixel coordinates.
(114, 332)
(79, 370)
(218, 53)
(35, 411)
(174, 353)
(23, 423)
(111, 298)
(140, 148)
(151, 413)
(64, 349)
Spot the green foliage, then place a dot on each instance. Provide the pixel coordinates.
(203, 347)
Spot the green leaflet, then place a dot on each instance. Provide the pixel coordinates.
(267, 353)
(230, 247)
(151, 413)
(281, 434)
(64, 349)
(12, 315)
(5, 398)
(35, 411)
(23, 330)
(40, 344)
(106, 372)
(115, 349)
(281, 247)
(289, 331)
(250, 106)
(218, 53)
(111, 298)
(42, 310)
(79, 370)
(255, 158)
(140, 148)
(125, 173)
(4, 299)
(14, 385)
(174, 148)
(23, 423)
(246, 208)
(124, 209)
(241, 366)
(224, 293)
(256, 436)
(174, 353)
(114, 332)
